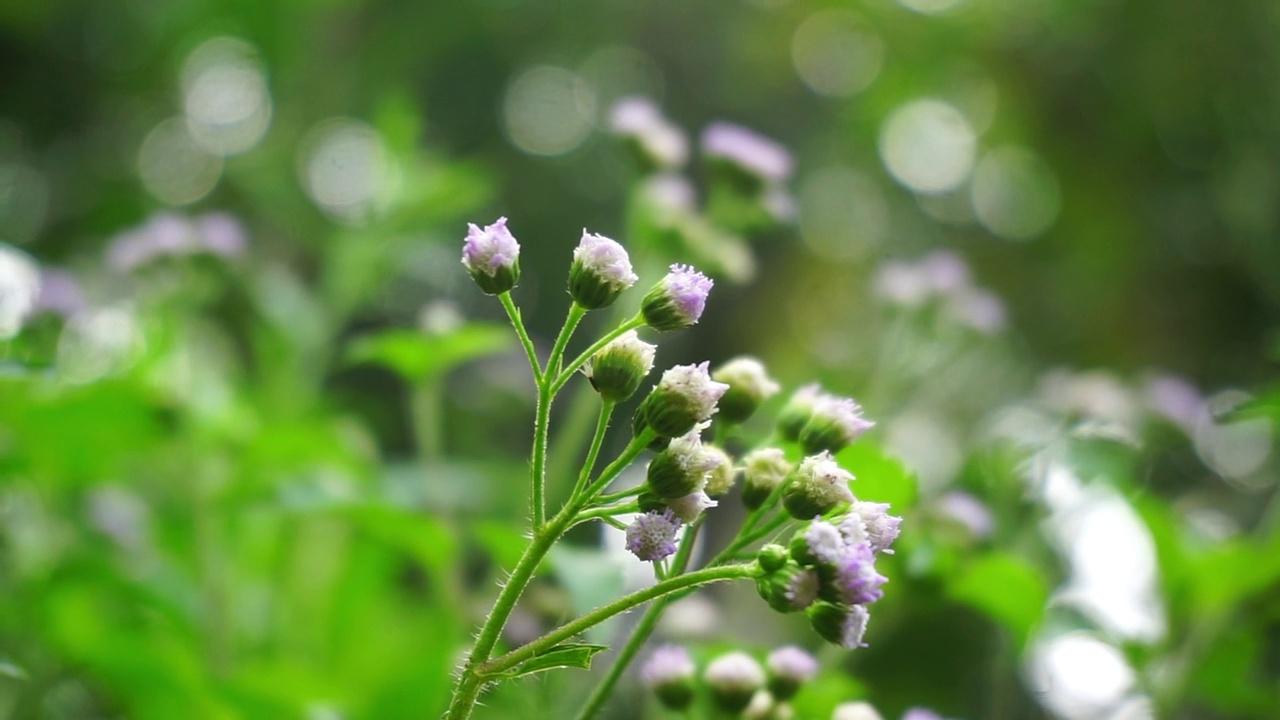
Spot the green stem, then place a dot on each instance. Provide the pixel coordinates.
(542, 421)
(620, 495)
(593, 452)
(513, 312)
(586, 355)
(606, 512)
(621, 605)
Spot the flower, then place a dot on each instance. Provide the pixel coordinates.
(618, 368)
(796, 413)
(764, 470)
(690, 506)
(669, 674)
(749, 385)
(789, 668)
(676, 301)
(601, 270)
(856, 581)
(685, 396)
(659, 141)
(821, 542)
(651, 536)
(834, 423)
(757, 155)
(789, 588)
(879, 527)
(843, 626)
(492, 255)
(682, 468)
(720, 481)
(816, 487)
(733, 678)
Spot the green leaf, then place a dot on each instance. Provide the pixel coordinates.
(417, 356)
(1004, 587)
(568, 655)
(880, 476)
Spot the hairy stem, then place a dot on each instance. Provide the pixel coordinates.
(513, 312)
(593, 452)
(581, 360)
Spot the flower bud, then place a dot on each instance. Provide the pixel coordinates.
(821, 543)
(651, 536)
(816, 487)
(669, 674)
(796, 413)
(690, 506)
(749, 386)
(658, 142)
(601, 270)
(492, 255)
(852, 579)
(843, 626)
(790, 588)
(682, 468)
(617, 369)
(880, 528)
(789, 668)
(720, 481)
(732, 679)
(685, 396)
(772, 557)
(677, 301)
(752, 154)
(765, 469)
(835, 423)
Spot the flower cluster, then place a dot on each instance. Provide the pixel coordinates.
(735, 681)
(943, 277)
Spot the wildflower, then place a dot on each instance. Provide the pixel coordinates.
(720, 481)
(749, 385)
(816, 487)
(659, 142)
(492, 255)
(651, 536)
(820, 543)
(688, 507)
(683, 467)
(749, 151)
(789, 668)
(685, 396)
(676, 301)
(796, 413)
(834, 423)
(601, 270)
(618, 368)
(880, 528)
(855, 580)
(789, 588)
(669, 674)
(838, 624)
(764, 471)
(733, 678)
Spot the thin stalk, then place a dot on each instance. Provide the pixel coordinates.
(581, 360)
(593, 451)
(620, 495)
(606, 512)
(428, 418)
(542, 420)
(513, 312)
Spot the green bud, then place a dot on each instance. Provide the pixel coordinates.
(765, 469)
(618, 368)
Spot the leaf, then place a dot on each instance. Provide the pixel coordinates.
(417, 356)
(1006, 588)
(568, 655)
(880, 476)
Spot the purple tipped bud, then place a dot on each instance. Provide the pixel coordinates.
(677, 301)
(835, 423)
(789, 588)
(816, 487)
(685, 396)
(660, 143)
(492, 255)
(617, 370)
(843, 626)
(651, 536)
(855, 580)
(789, 668)
(798, 410)
(669, 674)
(601, 270)
(720, 480)
(749, 385)
(757, 155)
(765, 469)
(732, 679)
(683, 467)
(821, 543)
(690, 506)
(880, 528)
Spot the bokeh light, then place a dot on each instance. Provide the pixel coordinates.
(928, 146)
(1080, 677)
(98, 342)
(835, 53)
(1234, 448)
(931, 7)
(1014, 194)
(843, 213)
(174, 167)
(225, 96)
(19, 289)
(548, 110)
(346, 169)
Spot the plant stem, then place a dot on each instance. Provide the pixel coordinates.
(542, 420)
(620, 495)
(581, 360)
(513, 312)
(593, 452)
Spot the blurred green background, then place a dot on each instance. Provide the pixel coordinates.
(253, 462)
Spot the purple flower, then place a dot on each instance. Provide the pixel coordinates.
(880, 527)
(677, 301)
(792, 663)
(816, 487)
(662, 142)
(685, 396)
(682, 468)
(733, 679)
(668, 663)
(491, 249)
(856, 581)
(918, 713)
(835, 423)
(824, 541)
(802, 588)
(945, 271)
(651, 536)
(601, 270)
(689, 507)
(839, 624)
(756, 154)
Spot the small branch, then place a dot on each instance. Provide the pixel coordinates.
(513, 312)
(581, 360)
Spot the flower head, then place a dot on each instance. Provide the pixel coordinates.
(651, 536)
(733, 678)
(749, 385)
(618, 368)
(720, 481)
(676, 301)
(601, 270)
(799, 408)
(757, 155)
(682, 468)
(661, 143)
(879, 527)
(789, 668)
(816, 487)
(685, 396)
(764, 470)
(835, 422)
(669, 673)
(819, 543)
(856, 581)
(789, 588)
(839, 624)
(492, 255)
(689, 507)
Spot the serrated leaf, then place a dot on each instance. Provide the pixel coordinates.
(568, 655)
(417, 356)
